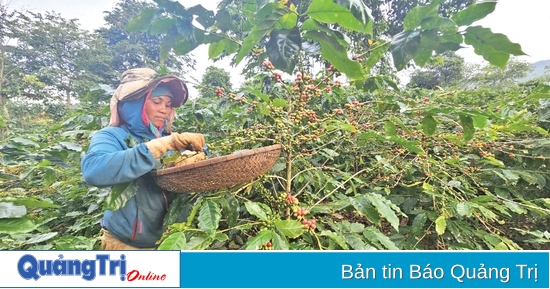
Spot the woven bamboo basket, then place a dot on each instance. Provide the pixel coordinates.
(218, 172)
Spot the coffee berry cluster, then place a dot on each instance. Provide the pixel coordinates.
(266, 246)
(307, 224)
(220, 91)
(290, 199)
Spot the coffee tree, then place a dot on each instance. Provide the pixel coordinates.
(364, 164)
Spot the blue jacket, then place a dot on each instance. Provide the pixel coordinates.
(109, 161)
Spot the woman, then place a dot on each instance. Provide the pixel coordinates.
(142, 111)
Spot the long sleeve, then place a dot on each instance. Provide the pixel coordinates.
(108, 162)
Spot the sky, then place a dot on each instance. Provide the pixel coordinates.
(523, 21)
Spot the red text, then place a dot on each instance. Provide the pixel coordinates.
(135, 275)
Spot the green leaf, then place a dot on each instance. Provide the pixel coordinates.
(279, 102)
(515, 207)
(311, 24)
(541, 91)
(404, 47)
(209, 217)
(282, 48)
(16, 225)
(188, 39)
(374, 235)
(428, 42)
(168, 43)
(173, 7)
(49, 177)
(258, 32)
(358, 8)
(463, 209)
(205, 17)
(200, 242)
(141, 22)
(480, 121)
(336, 238)
(492, 161)
(456, 38)
(230, 208)
(383, 209)
(30, 202)
(528, 177)
(473, 13)
(9, 177)
(440, 225)
(26, 172)
(161, 26)
(24, 141)
(279, 242)
(416, 15)
(255, 209)
(9, 210)
(331, 154)
(361, 11)
(376, 54)
(287, 22)
(223, 20)
(278, 167)
(335, 53)
(390, 128)
(355, 242)
(362, 204)
(216, 48)
(413, 146)
(482, 199)
(357, 227)
(467, 124)
(289, 228)
(120, 194)
(259, 240)
(419, 222)
(221, 237)
(444, 25)
(525, 127)
(429, 125)
(326, 11)
(176, 241)
(494, 47)
(41, 238)
(377, 82)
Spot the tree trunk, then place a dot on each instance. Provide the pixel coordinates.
(3, 101)
(68, 90)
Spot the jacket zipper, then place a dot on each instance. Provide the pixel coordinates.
(136, 221)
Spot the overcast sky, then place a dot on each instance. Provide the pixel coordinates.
(524, 22)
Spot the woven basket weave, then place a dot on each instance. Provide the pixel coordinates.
(218, 172)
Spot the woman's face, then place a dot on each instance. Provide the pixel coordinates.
(158, 109)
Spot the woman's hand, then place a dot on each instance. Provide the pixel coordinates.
(176, 142)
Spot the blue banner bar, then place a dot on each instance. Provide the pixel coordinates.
(360, 269)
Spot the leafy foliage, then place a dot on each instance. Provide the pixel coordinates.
(141, 49)
(363, 166)
(52, 68)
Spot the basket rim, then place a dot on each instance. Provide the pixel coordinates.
(215, 160)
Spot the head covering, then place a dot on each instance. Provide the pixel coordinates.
(162, 90)
(139, 82)
(131, 118)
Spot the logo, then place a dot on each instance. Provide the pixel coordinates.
(29, 267)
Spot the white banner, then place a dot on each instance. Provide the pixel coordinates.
(96, 269)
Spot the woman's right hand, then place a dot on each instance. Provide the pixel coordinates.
(189, 141)
(176, 142)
